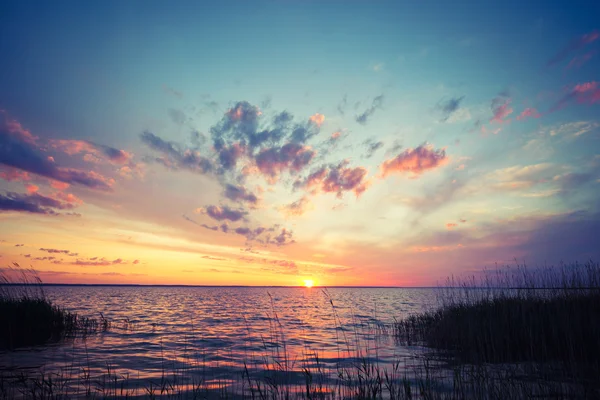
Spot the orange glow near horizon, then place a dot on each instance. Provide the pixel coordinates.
(309, 283)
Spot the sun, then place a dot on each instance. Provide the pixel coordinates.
(308, 283)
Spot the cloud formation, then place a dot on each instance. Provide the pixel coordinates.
(336, 179)
(32, 203)
(449, 107)
(97, 151)
(366, 115)
(528, 113)
(501, 108)
(174, 157)
(372, 146)
(583, 93)
(18, 150)
(415, 161)
(239, 193)
(221, 213)
(573, 46)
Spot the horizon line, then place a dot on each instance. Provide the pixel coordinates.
(216, 286)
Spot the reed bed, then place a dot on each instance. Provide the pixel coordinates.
(28, 317)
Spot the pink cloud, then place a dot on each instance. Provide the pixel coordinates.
(336, 179)
(336, 135)
(13, 174)
(578, 61)
(582, 93)
(31, 189)
(317, 119)
(95, 152)
(68, 198)
(529, 113)
(416, 161)
(501, 109)
(59, 185)
(14, 128)
(451, 225)
(576, 44)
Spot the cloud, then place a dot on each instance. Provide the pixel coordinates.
(317, 119)
(239, 194)
(578, 61)
(14, 175)
(213, 258)
(501, 108)
(519, 177)
(291, 156)
(221, 213)
(364, 117)
(582, 93)
(297, 208)
(72, 147)
(451, 225)
(575, 44)
(372, 146)
(449, 107)
(572, 130)
(436, 198)
(33, 203)
(96, 262)
(279, 266)
(415, 161)
(343, 104)
(528, 113)
(335, 179)
(174, 157)
(177, 116)
(55, 251)
(18, 150)
(172, 92)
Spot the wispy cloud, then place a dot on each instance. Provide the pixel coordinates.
(366, 115)
(573, 46)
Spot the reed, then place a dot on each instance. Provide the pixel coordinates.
(28, 317)
(546, 316)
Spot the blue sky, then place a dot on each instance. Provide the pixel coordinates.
(440, 138)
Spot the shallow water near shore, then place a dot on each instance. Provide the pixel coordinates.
(214, 334)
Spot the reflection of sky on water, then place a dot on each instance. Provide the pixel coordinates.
(209, 333)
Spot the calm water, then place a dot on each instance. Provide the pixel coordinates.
(209, 333)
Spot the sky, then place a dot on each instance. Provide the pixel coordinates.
(268, 143)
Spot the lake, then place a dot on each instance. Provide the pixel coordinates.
(214, 335)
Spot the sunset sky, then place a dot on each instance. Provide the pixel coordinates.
(266, 143)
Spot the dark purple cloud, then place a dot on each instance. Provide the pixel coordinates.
(72, 147)
(55, 251)
(32, 203)
(221, 213)
(239, 194)
(18, 149)
(291, 156)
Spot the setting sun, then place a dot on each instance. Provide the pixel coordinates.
(308, 283)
